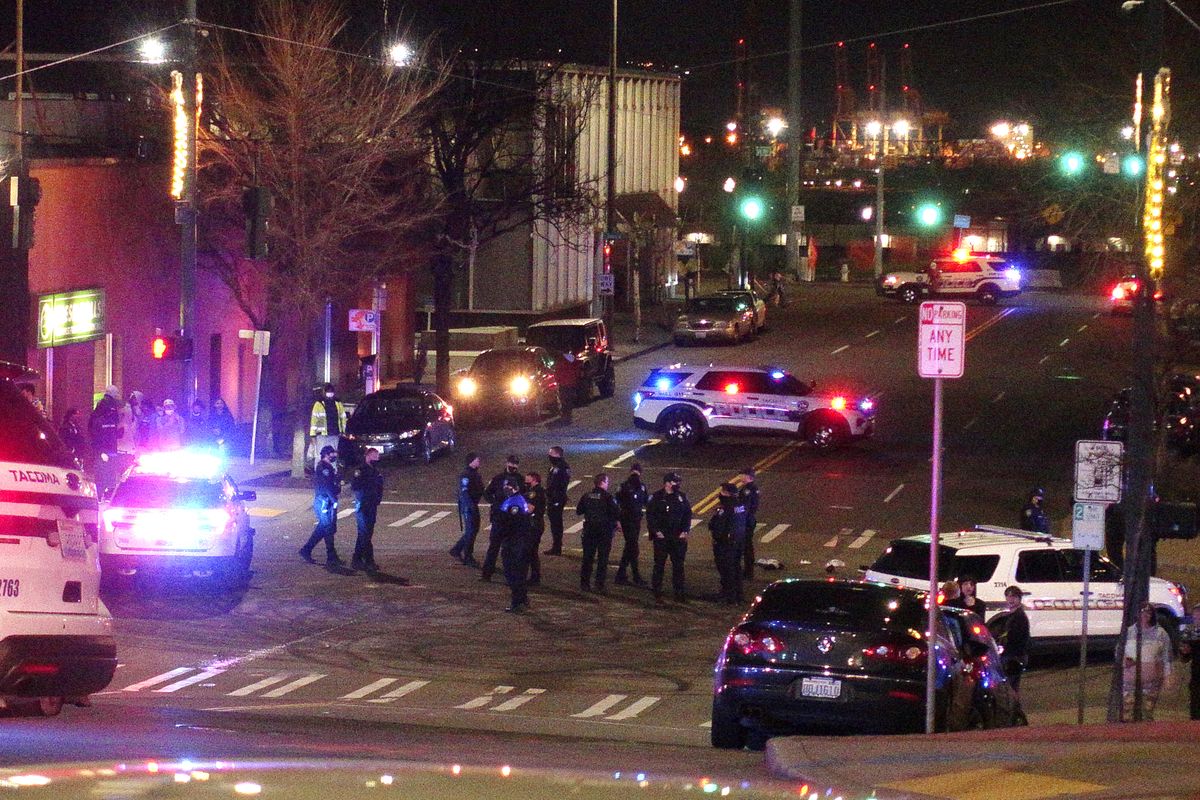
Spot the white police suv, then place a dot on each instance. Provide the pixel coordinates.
(56, 636)
(686, 402)
(985, 278)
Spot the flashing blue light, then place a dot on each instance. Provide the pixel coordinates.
(663, 384)
(777, 375)
(866, 405)
(1012, 274)
(641, 776)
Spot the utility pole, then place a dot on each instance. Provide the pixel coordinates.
(878, 262)
(187, 211)
(796, 135)
(610, 200)
(14, 275)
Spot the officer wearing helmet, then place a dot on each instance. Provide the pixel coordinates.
(1033, 516)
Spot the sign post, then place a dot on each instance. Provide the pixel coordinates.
(941, 351)
(261, 347)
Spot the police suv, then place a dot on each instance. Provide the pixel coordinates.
(686, 402)
(986, 278)
(56, 636)
(1047, 568)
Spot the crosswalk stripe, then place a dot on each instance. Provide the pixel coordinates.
(706, 724)
(573, 484)
(843, 532)
(409, 518)
(480, 702)
(399, 691)
(345, 512)
(695, 521)
(157, 679)
(773, 534)
(294, 685)
(520, 700)
(370, 688)
(634, 709)
(203, 676)
(600, 708)
(432, 519)
(278, 677)
(861, 540)
(576, 528)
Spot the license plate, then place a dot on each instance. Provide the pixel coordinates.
(72, 540)
(821, 688)
(701, 334)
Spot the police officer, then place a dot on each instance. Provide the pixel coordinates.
(496, 494)
(748, 495)
(632, 497)
(1033, 516)
(728, 527)
(557, 481)
(367, 486)
(668, 520)
(327, 420)
(513, 529)
(327, 486)
(535, 496)
(601, 516)
(470, 490)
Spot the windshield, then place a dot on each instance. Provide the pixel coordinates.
(558, 338)
(28, 437)
(502, 362)
(717, 304)
(389, 407)
(155, 492)
(845, 606)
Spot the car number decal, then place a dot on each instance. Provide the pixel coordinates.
(10, 587)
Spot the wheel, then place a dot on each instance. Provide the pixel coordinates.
(826, 433)
(728, 733)
(988, 295)
(909, 294)
(682, 426)
(607, 385)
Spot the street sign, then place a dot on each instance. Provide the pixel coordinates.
(607, 284)
(962, 221)
(68, 317)
(941, 339)
(364, 319)
(262, 343)
(1098, 471)
(381, 298)
(797, 213)
(685, 249)
(1087, 526)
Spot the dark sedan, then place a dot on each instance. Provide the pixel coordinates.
(835, 656)
(508, 380)
(404, 422)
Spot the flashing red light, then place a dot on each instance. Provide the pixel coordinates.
(871, 45)
(731, 388)
(962, 255)
(838, 403)
(1118, 293)
(841, 44)
(1158, 295)
(158, 347)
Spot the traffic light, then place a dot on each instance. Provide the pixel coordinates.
(257, 204)
(165, 347)
(1132, 165)
(929, 214)
(1072, 163)
(607, 265)
(752, 208)
(24, 194)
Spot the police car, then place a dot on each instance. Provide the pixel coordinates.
(962, 275)
(686, 402)
(1047, 568)
(176, 513)
(56, 636)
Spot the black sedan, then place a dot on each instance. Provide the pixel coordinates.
(835, 656)
(404, 422)
(509, 380)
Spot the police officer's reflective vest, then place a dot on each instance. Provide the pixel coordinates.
(318, 423)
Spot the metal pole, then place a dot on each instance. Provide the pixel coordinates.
(188, 210)
(795, 135)
(1087, 599)
(49, 383)
(610, 201)
(935, 499)
(257, 400)
(878, 264)
(328, 341)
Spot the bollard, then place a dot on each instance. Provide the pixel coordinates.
(845, 272)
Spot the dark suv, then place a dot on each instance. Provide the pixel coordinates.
(586, 361)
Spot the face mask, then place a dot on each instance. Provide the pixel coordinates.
(329, 396)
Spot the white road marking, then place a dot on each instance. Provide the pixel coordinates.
(635, 708)
(203, 676)
(399, 691)
(480, 702)
(157, 679)
(895, 492)
(843, 508)
(840, 349)
(345, 512)
(1044, 359)
(370, 688)
(600, 708)
(899, 320)
(872, 333)
(998, 397)
(970, 423)
(773, 534)
(403, 520)
(260, 511)
(520, 700)
(707, 724)
(278, 677)
(861, 540)
(1096, 315)
(434, 517)
(573, 484)
(1063, 343)
(1081, 328)
(576, 528)
(628, 454)
(294, 685)
(695, 521)
(843, 532)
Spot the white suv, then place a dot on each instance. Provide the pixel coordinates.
(1047, 568)
(686, 402)
(56, 636)
(986, 278)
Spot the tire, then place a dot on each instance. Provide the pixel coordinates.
(727, 733)
(682, 426)
(825, 433)
(607, 386)
(988, 295)
(909, 294)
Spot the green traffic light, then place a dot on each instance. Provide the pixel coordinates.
(1072, 163)
(1132, 165)
(929, 215)
(752, 208)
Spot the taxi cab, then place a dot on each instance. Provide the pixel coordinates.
(177, 513)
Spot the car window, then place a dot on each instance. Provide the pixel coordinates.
(501, 362)
(145, 491)
(1039, 566)
(390, 406)
(907, 558)
(664, 380)
(789, 385)
(979, 567)
(756, 383)
(559, 338)
(714, 304)
(845, 606)
(28, 437)
(727, 381)
(1102, 571)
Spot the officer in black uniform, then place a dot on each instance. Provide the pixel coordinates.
(327, 486)
(668, 520)
(1033, 516)
(601, 516)
(535, 497)
(728, 527)
(632, 497)
(496, 494)
(748, 495)
(367, 486)
(470, 491)
(557, 481)
(512, 527)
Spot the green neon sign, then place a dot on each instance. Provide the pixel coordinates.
(69, 317)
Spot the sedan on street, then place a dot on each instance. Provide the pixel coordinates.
(402, 422)
(505, 381)
(728, 318)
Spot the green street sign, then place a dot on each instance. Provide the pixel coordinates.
(69, 317)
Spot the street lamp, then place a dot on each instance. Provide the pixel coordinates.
(1132, 165)
(680, 184)
(153, 50)
(400, 54)
(1127, 132)
(1001, 130)
(775, 126)
(729, 185)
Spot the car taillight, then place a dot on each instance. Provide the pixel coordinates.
(36, 668)
(1118, 293)
(756, 644)
(899, 654)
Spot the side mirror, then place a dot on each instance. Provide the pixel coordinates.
(247, 496)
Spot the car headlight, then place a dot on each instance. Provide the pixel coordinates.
(521, 386)
(890, 280)
(467, 387)
(408, 434)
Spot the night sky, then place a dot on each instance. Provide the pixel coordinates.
(1065, 67)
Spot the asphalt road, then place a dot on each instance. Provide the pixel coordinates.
(426, 644)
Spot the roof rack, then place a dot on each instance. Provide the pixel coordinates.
(15, 372)
(1032, 536)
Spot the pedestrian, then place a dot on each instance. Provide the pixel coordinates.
(749, 498)
(967, 599)
(30, 393)
(728, 528)
(1010, 629)
(171, 427)
(470, 492)
(668, 520)
(420, 362)
(632, 498)
(327, 485)
(221, 424)
(1189, 648)
(104, 428)
(72, 436)
(144, 421)
(327, 420)
(601, 517)
(367, 486)
(535, 496)
(558, 480)
(1033, 516)
(950, 594)
(1154, 658)
(513, 526)
(195, 429)
(495, 494)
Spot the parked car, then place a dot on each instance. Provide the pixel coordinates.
(718, 317)
(757, 303)
(994, 703)
(405, 422)
(1125, 293)
(584, 360)
(507, 380)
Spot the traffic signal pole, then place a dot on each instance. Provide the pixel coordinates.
(186, 211)
(610, 200)
(795, 135)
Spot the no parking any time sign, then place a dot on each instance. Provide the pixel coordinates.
(941, 340)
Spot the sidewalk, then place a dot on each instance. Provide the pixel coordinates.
(245, 473)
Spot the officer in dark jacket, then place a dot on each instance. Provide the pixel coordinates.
(728, 527)
(668, 520)
(601, 516)
(470, 491)
(535, 496)
(558, 479)
(327, 485)
(632, 497)
(367, 486)
(512, 525)
(1010, 628)
(748, 495)
(496, 493)
(1033, 516)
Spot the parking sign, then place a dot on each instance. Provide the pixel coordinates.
(941, 340)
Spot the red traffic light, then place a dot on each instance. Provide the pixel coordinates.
(159, 347)
(170, 348)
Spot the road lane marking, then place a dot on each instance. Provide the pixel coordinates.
(519, 700)
(600, 707)
(399, 692)
(437, 515)
(970, 424)
(872, 333)
(843, 532)
(998, 397)
(576, 528)
(1081, 328)
(370, 688)
(709, 501)
(635, 708)
(1044, 359)
(857, 544)
(983, 326)
(345, 512)
(773, 534)
(573, 484)
(840, 349)
(1063, 343)
(895, 492)
(480, 702)
(695, 521)
(404, 520)
(203, 676)
(1096, 315)
(288, 688)
(157, 679)
(899, 320)
(628, 454)
(259, 511)
(278, 677)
